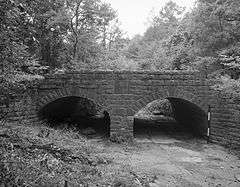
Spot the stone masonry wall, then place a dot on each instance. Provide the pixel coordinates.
(225, 124)
(123, 94)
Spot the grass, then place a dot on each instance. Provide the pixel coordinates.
(38, 155)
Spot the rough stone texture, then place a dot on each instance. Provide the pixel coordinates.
(123, 94)
(159, 106)
(226, 120)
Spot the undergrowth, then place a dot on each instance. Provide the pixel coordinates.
(38, 155)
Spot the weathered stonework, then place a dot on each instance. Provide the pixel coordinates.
(123, 94)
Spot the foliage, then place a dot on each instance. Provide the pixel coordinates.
(214, 25)
(165, 23)
(230, 59)
(56, 32)
(43, 36)
(215, 31)
(17, 65)
(228, 85)
(204, 39)
(156, 49)
(38, 155)
(38, 37)
(86, 22)
(119, 63)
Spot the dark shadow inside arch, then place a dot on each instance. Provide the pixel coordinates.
(178, 118)
(79, 113)
(190, 116)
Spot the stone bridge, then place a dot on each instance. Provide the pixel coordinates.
(123, 94)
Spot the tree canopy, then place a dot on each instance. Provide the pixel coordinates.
(42, 36)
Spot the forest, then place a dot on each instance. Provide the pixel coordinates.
(40, 37)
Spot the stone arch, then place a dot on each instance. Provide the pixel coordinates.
(177, 93)
(53, 95)
(191, 113)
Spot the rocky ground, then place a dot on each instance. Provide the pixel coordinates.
(41, 156)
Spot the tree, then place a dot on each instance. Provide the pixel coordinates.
(86, 22)
(230, 59)
(212, 26)
(44, 41)
(165, 23)
(16, 62)
(156, 50)
(109, 28)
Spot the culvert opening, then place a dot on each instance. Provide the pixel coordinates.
(173, 117)
(79, 113)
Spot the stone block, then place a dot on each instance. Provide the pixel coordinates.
(119, 111)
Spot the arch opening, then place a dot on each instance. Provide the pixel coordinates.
(79, 113)
(174, 117)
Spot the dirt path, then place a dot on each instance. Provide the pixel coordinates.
(41, 155)
(166, 161)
